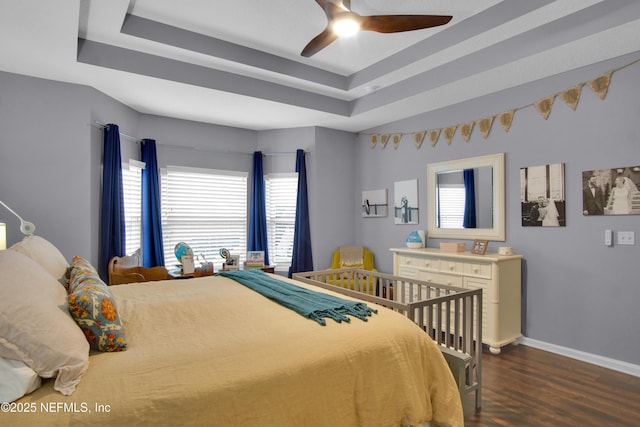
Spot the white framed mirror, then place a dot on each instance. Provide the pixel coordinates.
(445, 182)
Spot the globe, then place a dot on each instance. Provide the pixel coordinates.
(182, 249)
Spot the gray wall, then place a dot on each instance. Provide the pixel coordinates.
(577, 292)
(50, 159)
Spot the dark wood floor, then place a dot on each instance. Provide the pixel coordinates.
(525, 386)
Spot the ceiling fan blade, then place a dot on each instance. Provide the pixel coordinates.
(400, 23)
(319, 42)
(331, 8)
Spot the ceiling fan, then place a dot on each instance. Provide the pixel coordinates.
(343, 22)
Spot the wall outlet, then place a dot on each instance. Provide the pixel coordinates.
(626, 238)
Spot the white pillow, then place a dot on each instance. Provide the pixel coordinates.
(44, 253)
(35, 324)
(16, 380)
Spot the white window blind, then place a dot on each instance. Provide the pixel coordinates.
(451, 206)
(281, 193)
(206, 209)
(132, 192)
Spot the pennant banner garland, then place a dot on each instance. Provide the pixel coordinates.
(506, 119)
(465, 130)
(449, 132)
(433, 136)
(396, 137)
(571, 97)
(383, 140)
(544, 106)
(600, 86)
(485, 126)
(374, 140)
(418, 137)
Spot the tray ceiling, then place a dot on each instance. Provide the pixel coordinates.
(238, 63)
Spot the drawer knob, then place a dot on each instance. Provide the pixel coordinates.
(476, 269)
(451, 267)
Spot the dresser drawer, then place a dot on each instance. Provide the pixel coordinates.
(431, 264)
(478, 269)
(451, 267)
(408, 272)
(441, 279)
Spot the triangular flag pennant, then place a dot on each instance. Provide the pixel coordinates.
(396, 137)
(572, 96)
(544, 106)
(485, 126)
(449, 132)
(465, 130)
(600, 86)
(506, 119)
(374, 140)
(384, 138)
(433, 136)
(418, 137)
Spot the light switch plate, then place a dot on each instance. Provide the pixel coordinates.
(626, 237)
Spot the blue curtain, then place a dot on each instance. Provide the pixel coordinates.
(469, 199)
(302, 260)
(152, 247)
(112, 231)
(258, 215)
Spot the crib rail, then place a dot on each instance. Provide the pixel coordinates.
(451, 316)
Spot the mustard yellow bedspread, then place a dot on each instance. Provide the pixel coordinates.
(209, 351)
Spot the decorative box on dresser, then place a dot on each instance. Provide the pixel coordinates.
(497, 275)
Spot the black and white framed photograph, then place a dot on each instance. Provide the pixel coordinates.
(374, 203)
(542, 196)
(405, 202)
(232, 263)
(611, 191)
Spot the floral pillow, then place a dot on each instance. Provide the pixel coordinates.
(81, 270)
(92, 306)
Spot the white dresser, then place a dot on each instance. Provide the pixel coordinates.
(497, 275)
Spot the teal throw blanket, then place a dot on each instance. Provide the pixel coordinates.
(311, 304)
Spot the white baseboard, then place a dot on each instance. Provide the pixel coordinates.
(605, 362)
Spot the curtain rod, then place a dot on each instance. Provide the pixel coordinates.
(213, 150)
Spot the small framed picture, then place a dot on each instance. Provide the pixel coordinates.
(233, 263)
(479, 247)
(255, 258)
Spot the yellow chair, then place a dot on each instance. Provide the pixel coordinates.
(353, 257)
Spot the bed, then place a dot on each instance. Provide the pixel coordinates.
(210, 351)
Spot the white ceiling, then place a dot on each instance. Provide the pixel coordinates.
(238, 63)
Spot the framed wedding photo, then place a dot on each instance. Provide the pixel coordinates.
(479, 247)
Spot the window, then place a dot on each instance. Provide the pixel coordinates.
(281, 194)
(206, 209)
(451, 205)
(132, 193)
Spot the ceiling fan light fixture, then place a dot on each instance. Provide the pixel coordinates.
(345, 25)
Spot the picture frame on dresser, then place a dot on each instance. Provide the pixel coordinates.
(479, 247)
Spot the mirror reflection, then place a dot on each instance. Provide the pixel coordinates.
(465, 198)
